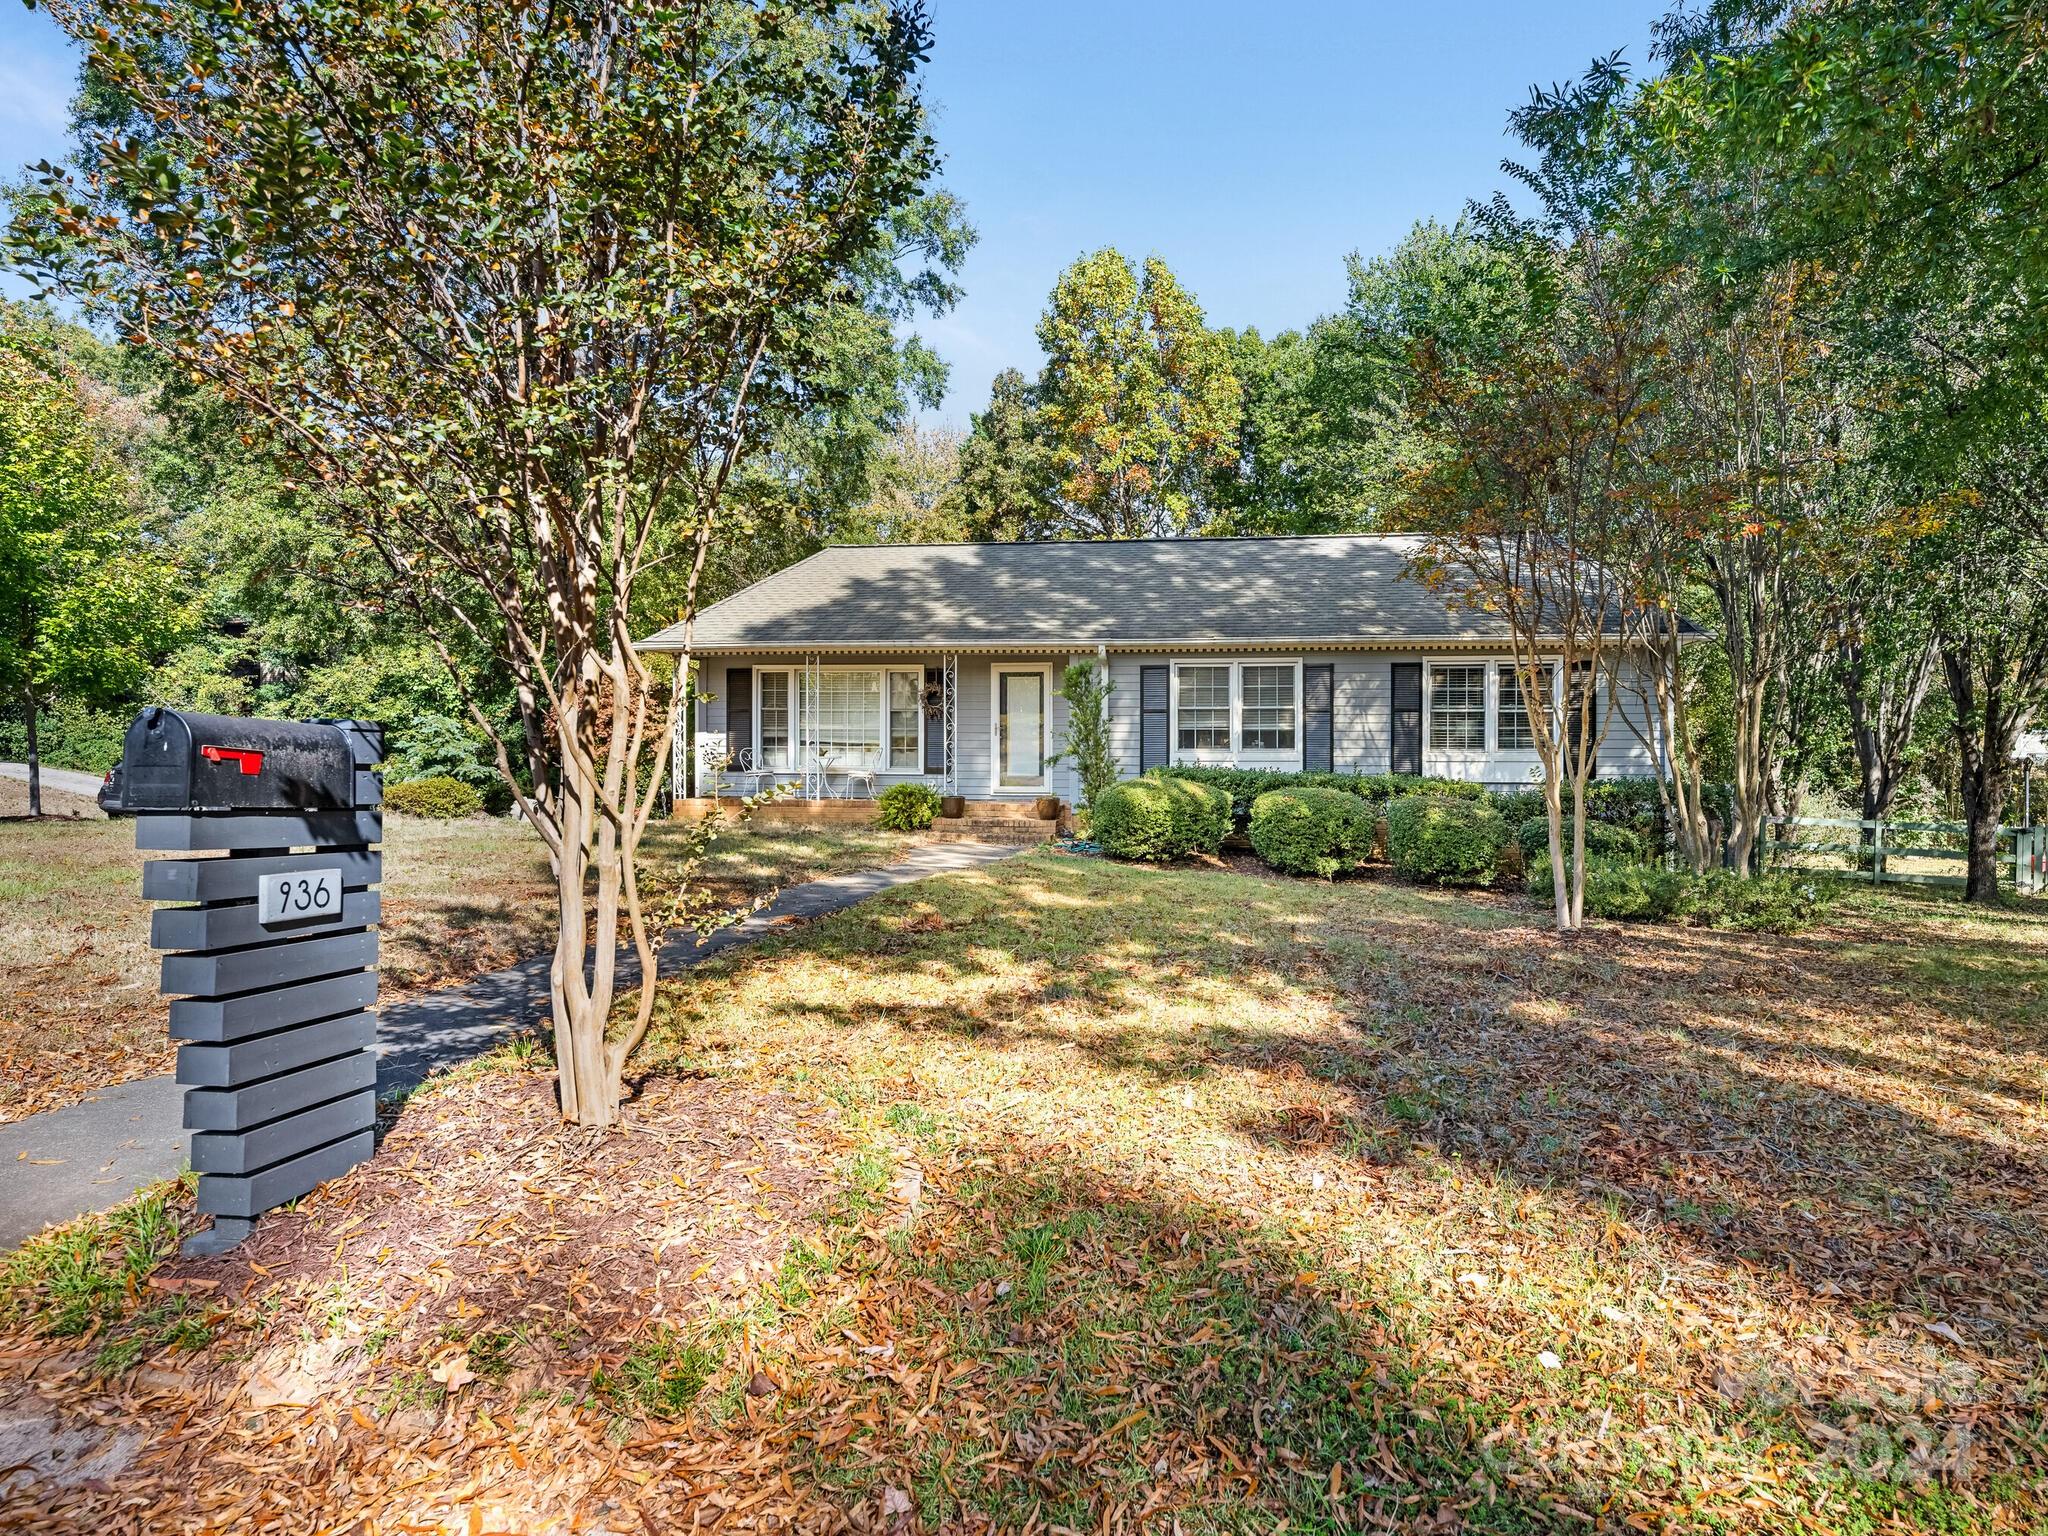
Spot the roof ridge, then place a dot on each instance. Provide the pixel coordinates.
(1159, 538)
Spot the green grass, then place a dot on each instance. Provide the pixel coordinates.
(85, 1275)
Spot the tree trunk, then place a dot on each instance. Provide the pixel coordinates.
(1984, 790)
(35, 757)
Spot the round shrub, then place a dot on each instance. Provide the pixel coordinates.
(440, 797)
(1620, 891)
(1160, 818)
(906, 807)
(1603, 841)
(1204, 812)
(1449, 842)
(1311, 831)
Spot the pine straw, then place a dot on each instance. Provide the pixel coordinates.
(1105, 1198)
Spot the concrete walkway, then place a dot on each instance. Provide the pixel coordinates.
(93, 1154)
(85, 785)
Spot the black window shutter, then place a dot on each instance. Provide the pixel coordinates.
(1319, 708)
(1405, 735)
(934, 725)
(1152, 717)
(739, 712)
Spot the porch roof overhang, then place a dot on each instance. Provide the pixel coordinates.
(1037, 645)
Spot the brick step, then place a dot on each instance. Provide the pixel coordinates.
(996, 830)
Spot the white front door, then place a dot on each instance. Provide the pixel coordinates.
(1020, 727)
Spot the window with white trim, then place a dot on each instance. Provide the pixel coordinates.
(778, 719)
(1237, 711)
(867, 718)
(1512, 725)
(1268, 703)
(1457, 708)
(1203, 706)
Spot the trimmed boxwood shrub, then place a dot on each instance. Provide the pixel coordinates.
(906, 807)
(1158, 818)
(1244, 785)
(440, 797)
(1720, 898)
(1449, 842)
(1603, 841)
(1311, 831)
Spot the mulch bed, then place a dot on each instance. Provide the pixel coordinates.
(427, 1339)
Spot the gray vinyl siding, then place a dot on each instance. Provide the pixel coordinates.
(1361, 717)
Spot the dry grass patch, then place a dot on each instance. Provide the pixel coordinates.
(78, 1002)
(1112, 1198)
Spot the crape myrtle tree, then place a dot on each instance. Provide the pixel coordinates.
(501, 281)
(1902, 145)
(1531, 472)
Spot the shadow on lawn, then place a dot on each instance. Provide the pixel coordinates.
(1691, 1075)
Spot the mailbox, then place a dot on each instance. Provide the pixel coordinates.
(180, 762)
(272, 950)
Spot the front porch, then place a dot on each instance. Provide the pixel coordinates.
(983, 820)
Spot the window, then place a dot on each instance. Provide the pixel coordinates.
(1457, 709)
(850, 719)
(866, 718)
(1204, 708)
(1512, 724)
(776, 721)
(1238, 711)
(906, 741)
(1268, 703)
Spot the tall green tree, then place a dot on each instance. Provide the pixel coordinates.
(1004, 486)
(1138, 403)
(503, 281)
(88, 600)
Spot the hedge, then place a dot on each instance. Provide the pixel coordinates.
(1448, 841)
(440, 797)
(68, 735)
(1159, 818)
(1244, 785)
(1720, 898)
(1311, 831)
(1631, 803)
(906, 807)
(1603, 840)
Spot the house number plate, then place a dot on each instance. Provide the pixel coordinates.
(306, 893)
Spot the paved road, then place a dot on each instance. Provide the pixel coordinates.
(95, 1153)
(83, 784)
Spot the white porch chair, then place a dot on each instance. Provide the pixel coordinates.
(741, 772)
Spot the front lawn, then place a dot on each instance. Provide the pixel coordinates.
(1070, 1195)
(78, 1001)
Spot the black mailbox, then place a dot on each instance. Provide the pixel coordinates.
(174, 761)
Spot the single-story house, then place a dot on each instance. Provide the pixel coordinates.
(864, 665)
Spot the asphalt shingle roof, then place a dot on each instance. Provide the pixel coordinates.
(1338, 588)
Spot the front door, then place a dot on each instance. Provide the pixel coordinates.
(1020, 729)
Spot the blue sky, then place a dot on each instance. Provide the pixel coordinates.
(1250, 146)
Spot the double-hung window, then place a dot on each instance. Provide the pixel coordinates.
(1237, 711)
(1457, 707)
(1203, 697)
(1512, 724)
(865, 718)
(1481, 707)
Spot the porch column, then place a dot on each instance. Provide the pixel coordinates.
(950, 688)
